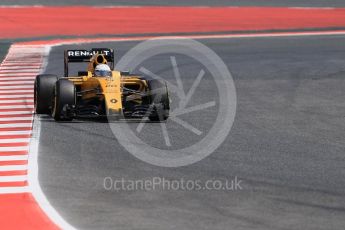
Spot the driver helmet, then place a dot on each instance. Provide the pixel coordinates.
(102, 70)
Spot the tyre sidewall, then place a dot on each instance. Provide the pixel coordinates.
(43, 92)
(159, 97)
(64, 94)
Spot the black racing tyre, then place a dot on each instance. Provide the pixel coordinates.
(159, 97)
(43, 92)
(64, 94)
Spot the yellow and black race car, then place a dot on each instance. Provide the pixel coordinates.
(100, 93)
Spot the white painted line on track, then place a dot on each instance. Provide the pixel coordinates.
(10, 73)
(12, 57)
(20, 64)
(16, 96)
(34, 184)
(14, 158)
(26, 55)
(17, 71)
(19, 102)
(10, 92)
(16, 67)
(16, 112)
(15, 140)
(17, 125)
(214, 36)
(16, 87)
(15, 75)
(24, 106)
(9, 133)
(20, 67)
(9, 68)
(24, 99)
(16, 82)
(12, 149)
(4, 119)
(12, 190)
(8, 168)
(13, 178)
(17, 78)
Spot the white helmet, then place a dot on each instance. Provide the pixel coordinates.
(102, 70)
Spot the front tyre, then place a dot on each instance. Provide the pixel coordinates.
(64, 97)
(159, 99)
(43, 92)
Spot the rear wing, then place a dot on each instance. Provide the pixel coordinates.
(75, 56)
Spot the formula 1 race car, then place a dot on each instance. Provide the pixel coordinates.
(100, 92)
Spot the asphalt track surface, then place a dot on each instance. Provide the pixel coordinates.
(286, 145)
(3, 49)
(293, 3)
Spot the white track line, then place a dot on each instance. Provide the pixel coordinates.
(24, 101)
(18, 71)
(11, 149)
(26, 62)
(215, 36)
(18, 67)
(29, 96)
(8, 168)
(6, 64)
(14, 158)
(18, 78)
(34, 184)
(12, 190)
(17, 87)
(19, 101)
(16, 106)
(9, 133)
(25, 56)
(16, 112)
(8, 120)
(16, 102)
(13, 178)
(17, 125)
(17, 82)
(17, 74)
(15, 140)
(29, 118)
(10, 67)
(21, 91)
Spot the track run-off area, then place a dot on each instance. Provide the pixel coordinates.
(26, 22)
(23, 204)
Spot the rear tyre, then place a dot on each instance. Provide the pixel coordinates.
(64, 97)
(43, 92)
(159, 98)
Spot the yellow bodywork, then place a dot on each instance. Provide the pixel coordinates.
(109, 89)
